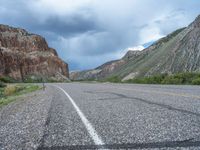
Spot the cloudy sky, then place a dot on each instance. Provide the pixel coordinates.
(87, 33)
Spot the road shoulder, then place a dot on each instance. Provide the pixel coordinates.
(23, 121)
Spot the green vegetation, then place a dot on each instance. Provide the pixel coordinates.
(12, 91)
(179, 78)
(7, 80)
(2, 84)
(1, 92)
(196, 81)
(54, 80)
(33, 79)
(39, 79)
(148, 80)
(114, 79)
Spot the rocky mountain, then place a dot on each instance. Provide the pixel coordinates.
(177, 52)
(24, 55)
(104, 70)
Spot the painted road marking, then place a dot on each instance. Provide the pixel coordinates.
(97, 140)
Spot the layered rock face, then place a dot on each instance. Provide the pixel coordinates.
(23, 54)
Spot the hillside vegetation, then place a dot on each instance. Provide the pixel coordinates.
(11, 92)
(179, 78)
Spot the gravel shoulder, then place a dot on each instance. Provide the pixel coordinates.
(22, 122)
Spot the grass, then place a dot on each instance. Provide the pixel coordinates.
(11, 92)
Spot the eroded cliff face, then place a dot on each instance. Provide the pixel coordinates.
(23, 54)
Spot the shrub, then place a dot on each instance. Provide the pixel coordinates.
(149, 80)
(13, 89)
(154, 79)
(2, 85)
(10, 93)
(179, 78)
(196, 81)
(186, 78)
(1, 92)
(33, 79)
(114, 79)
(10, 90)
(172, 80)
(7, 80)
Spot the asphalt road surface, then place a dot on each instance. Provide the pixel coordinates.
(103, 116)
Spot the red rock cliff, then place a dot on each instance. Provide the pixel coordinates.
(23, 54)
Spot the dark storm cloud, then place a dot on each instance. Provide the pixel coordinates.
(16, 13)
(87, 33)
(67, 26)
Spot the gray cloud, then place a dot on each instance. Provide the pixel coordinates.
(67, 26)
(87, 33)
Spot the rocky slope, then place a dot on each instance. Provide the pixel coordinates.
(24, 55)
(104, 70)
(177, 52)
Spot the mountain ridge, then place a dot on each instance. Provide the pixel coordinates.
(177, 52)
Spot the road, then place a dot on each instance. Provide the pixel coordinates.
(104, 116)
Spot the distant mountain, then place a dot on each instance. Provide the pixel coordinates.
(104, 70)
(177, 52)
(24, 55)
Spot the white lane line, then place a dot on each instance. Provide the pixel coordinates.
(97, 140)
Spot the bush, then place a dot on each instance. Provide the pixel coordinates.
(13, 89)
(149, 80)
(10, 90)
(2, 85)
(154, 79)
(196, 81)
(114, 79)
(179, 78)
(7, 80)
(10, 93)
(33, 79)
(172, 80)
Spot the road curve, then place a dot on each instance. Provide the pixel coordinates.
(104, 116)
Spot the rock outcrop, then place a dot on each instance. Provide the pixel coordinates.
(175, 53)
(23, 55)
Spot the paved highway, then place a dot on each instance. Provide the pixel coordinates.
(104, 116)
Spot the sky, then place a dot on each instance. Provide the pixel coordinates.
(88, 33)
